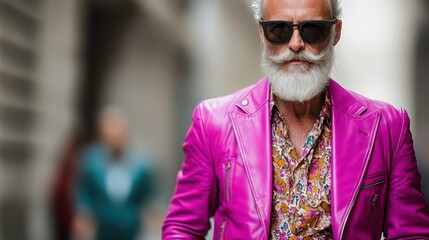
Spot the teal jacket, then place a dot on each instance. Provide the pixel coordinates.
(113, 191)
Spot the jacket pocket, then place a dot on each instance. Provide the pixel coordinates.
(224, 172)
(371, 195)
(227, 181)
(372, 184)
(373, 180)
(228, 171)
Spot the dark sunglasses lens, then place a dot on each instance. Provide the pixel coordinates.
(314, 32)
(278, 33)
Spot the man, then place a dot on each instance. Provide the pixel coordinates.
(296, 156)
(114, 184)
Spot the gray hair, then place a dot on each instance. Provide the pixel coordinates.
(334, 8)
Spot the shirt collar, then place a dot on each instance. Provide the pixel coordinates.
(325, 113)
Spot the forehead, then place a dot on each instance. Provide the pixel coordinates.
(112, 121)
(295, 10)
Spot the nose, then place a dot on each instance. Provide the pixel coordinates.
(296, 43)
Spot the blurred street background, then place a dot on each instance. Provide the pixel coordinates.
(62, 61)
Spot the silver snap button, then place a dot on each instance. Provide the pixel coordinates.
(245, 102)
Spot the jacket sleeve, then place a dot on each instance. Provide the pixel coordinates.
(407, 215)
(195, 196)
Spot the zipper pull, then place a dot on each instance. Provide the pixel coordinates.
(228, 165)
(374, 200)
(222, 229)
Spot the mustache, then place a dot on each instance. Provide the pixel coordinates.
(289, 55)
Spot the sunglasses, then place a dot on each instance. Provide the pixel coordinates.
(311, 32)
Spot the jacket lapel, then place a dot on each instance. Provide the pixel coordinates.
(353, 134)
(251, 124)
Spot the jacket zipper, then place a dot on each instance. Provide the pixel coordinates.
(373, 184)
(228, 168)
(374, 200)
(222, 229)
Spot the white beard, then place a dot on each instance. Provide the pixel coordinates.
(298, 83)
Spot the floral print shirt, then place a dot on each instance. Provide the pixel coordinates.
(301, 184)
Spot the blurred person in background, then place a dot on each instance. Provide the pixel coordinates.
(114, 184)
(297, 156)
(62, 199)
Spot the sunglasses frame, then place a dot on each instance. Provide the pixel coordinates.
(327, 24)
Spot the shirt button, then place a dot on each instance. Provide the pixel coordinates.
(245, 102)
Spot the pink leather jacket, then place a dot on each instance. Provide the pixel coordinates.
(227, 170)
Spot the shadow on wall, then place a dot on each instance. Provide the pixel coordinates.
(421, 98)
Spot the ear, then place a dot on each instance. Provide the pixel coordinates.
(261, 33)
(338, 27)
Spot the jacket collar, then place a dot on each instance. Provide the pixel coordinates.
(345, 101)
(255, 98)
(259, 94)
